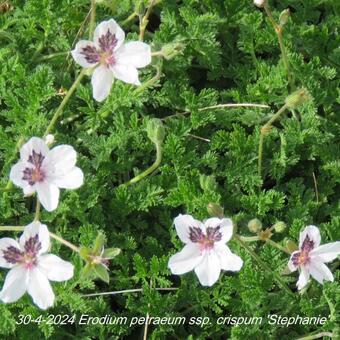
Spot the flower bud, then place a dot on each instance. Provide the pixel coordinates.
(259, 3)
(49, 139)
(155, 130)
(169, 51)
(215, 209)
(284, 16)
(297, 98)
(255, 225)
(291, 246)
(279, 227)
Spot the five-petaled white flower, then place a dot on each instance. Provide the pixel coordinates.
(45, 171)
(311, 257)
(30, 269)
(111, 57)
(205, 250)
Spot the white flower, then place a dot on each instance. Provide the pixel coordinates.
(311, 257)
(45, 171)
(259, 3)
(205, 250)
(113, 58)
(30, 269)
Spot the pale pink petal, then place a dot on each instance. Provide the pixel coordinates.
(17, 173)
(303, 278)
(102, 79)
(29, 190)
(85, 54)
(55, 268)
(292, 267)
(226, 227)
(108, 28)
(36, 144)
(186, 260)
(135, 53)
(61, 160)
(126, 73)
(327, 252)
(48, 195)
(320, 272)
(313, 234)
(15, 284)
(208, 271)
(183, 224)
(228, 260)
(72, 180)
(5, 243)
(40, 289)
(33, 229)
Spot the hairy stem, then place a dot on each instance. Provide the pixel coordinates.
(92, 19)
(127, 291)
(143, 21)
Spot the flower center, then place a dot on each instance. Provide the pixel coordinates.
(206, 242)
(302, 257)
(35, 174)
(28, 257)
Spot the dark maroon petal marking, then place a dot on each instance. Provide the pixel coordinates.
(107, 42)
(214, 234)
(307, 244)
(296, 259)
(32, 246)
(35, 174)
(12, 255)
(91, 54)
(196, 234)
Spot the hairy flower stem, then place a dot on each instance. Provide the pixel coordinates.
(60, 109)
(144, 20)
(129, 18)
(53, 55)
(279, 29)
(37, 211)
(268, 240)
(54, 236)
(150, 170)
(264, 265)
(92, 19)
(127, 291)
(264, 130)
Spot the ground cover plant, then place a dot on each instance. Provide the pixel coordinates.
(151, 116)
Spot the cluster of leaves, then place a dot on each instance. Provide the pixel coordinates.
(230, 54)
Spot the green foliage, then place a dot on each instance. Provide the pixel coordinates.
(227, 53)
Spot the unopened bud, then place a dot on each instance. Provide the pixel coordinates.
(171, 50)
(155, 130)
(284, 16)
(255, 225)
(291, 246)
(297, 98)
(259, 3)
(49, 139)
(215, 209)
(279, 227)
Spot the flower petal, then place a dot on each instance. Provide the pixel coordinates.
(102, 79)
(208, 271)
(108, 34)
(85, 54)
(225, 224)
(320, 272)
(303, 278)
(36, 144)
(186, 260)
(33, 229)
(40, 289)
(183, 224)
(292, 267)
(228, 260)
(55, 268)
(135, 53)
(17, 173)
(61, 160)
(15, 284)
(72, 180)
(48, 195)
(327, 252)
(6, 243)
(313, 234)
(126, 73)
